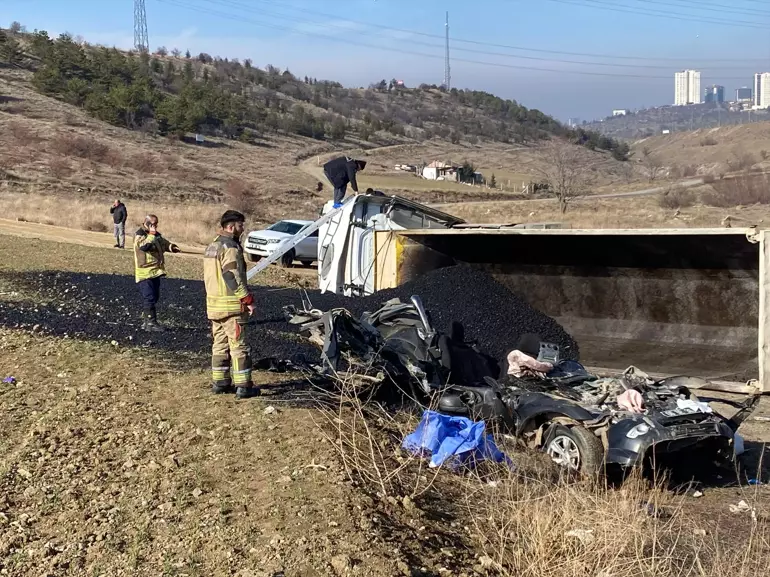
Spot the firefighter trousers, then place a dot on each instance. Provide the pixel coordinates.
(230, 355)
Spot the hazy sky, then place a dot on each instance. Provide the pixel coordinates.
(582, 59)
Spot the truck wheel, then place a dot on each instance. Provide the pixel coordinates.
(307, 263)
(288, 259)
(576, 449)
(253, 257)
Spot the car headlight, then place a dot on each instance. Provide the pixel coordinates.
(638, 431)
(274, 240)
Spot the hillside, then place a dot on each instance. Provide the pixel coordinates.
(653, 121)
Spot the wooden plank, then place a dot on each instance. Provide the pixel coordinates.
(386, 259)
(747, 232)
(763, 346)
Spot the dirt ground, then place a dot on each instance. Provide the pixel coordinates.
(115, 459)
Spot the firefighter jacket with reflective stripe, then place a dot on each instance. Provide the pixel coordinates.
(148, 255)
(224, 274)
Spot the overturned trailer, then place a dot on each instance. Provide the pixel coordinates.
(675, 301)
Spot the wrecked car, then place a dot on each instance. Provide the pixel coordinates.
(584, 422)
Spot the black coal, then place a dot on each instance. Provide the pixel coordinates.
(107, 307)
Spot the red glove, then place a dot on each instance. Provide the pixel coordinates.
(248, 300)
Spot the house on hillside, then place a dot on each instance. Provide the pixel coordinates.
(439, 170)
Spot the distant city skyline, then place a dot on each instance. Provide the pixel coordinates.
(621, 56)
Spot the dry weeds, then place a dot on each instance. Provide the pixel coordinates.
(529, 521)
(186, 223)
(744, 190)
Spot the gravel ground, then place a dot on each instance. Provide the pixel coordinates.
(105, 307)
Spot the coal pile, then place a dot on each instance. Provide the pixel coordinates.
(492, 315)
(106, 307)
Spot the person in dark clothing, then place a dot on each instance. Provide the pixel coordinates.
(341, 172)
(119, 217)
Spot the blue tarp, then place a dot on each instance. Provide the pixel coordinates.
(455, 439)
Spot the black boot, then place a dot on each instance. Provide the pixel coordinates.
(151, 323)
(222, 388)
(247, 392)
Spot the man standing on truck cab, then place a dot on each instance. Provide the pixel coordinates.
(229, 306)
(341, 172)
(119, 217)
(149, 267)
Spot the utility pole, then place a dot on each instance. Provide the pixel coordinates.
(141, 39)
(447, 73)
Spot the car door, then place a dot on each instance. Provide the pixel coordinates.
(307, 249)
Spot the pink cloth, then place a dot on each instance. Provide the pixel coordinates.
(520, 364)
(631, 401)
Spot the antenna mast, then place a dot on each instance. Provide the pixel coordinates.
(447, 73)
(141, 40)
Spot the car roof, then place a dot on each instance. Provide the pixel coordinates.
(294, 221)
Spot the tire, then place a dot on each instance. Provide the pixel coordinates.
(307, 263)
(253, 257)
(287, 260)
(576, 449)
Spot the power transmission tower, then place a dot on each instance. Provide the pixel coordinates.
(447, 74)
(141, 39)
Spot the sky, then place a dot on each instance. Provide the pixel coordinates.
(568, 58)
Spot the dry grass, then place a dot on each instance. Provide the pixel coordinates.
(631, 212)
(677, 197)
(186, 223)
(744, 190)
(531, 522)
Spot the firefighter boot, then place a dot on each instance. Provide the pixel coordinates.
(247, 392)
(222, 388)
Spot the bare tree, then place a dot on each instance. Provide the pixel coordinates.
(567, 175)
(652, 164)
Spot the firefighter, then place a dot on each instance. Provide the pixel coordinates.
(229, 305)
(149, 266)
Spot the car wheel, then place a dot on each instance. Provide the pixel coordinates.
(575, 449)
(307, 263)
(288, 259)
(253, 257)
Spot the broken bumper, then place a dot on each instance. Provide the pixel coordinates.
(627, 450)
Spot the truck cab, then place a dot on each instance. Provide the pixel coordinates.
(347, 247)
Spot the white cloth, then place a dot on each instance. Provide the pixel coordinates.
(520, 364)
(631, 401)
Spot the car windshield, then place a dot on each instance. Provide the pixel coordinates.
(286, 227)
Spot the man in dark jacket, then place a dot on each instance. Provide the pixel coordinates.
(341, 171)
(119, 217)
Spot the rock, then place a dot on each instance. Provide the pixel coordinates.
(284, 480)
(741, 507)
(486, 562)
(269, 410)
(699, 532)
(341, 564)
(24, 474)
(404, 568)
(197, 493)
(408, 503)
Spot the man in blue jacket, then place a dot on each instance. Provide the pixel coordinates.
(341, 171)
